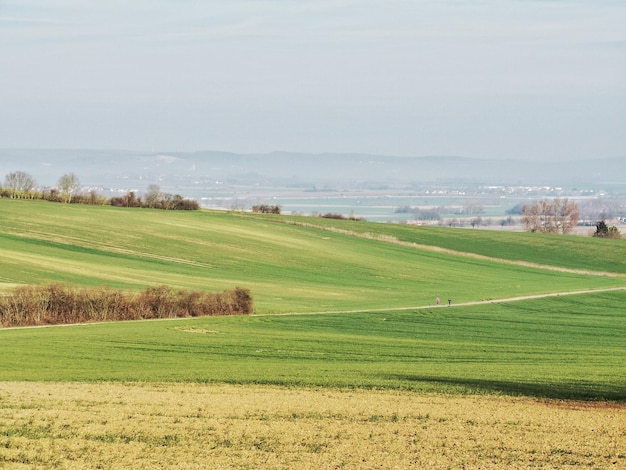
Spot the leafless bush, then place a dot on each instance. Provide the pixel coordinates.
(57, 304)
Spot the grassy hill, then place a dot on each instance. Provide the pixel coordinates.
(289, 263)
(563, 346)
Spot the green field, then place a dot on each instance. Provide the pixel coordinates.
(384, 278)
(560, 347)
(287, 264)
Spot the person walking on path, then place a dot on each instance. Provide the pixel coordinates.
(437, 300)
(449, 302)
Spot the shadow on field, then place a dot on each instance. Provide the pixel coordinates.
(587, 391)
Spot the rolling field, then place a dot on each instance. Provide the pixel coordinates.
(346, 362)
(287, 265)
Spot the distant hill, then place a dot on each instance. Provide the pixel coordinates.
(131, 169)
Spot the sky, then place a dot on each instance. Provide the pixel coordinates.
(505, 79)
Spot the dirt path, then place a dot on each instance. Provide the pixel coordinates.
(462, 304)
(391, 309)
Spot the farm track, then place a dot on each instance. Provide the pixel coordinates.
(456, 305)
(392, 309)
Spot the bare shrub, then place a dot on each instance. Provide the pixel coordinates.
(192, 303)
(24, 306)
(157, 302)
(57, 304)
(242, 301)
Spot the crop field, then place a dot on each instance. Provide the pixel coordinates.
(346, 362)
(182, 426)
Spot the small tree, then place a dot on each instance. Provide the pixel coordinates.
(153, 194)
(476, 222)
(567, 214)
(604, 231)
(19, 182)
(68, 183)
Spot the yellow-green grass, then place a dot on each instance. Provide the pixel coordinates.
(182, 426)
(288, 267)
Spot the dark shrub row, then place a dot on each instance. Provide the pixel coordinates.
(266, 209)
(165, 200)
(331, 215)
(57, 304)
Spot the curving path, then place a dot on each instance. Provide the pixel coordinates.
(462, 304)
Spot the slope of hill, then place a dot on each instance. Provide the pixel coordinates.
(289, 263)
(376, 288)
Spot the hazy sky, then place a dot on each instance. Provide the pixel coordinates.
(535, 79)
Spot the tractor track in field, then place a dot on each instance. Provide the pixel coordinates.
(465, 254)
(105, 248)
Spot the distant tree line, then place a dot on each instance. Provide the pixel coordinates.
(155, 199)
(20, 185)
(426, 214)
(266, 209)
(434, 213)
(57, 304)
(334, 215)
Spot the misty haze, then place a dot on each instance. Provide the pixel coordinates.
(376, 188)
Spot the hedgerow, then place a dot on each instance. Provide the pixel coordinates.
(58, 304)
(165, 201)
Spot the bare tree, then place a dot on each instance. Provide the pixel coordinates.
(153, 195)
(530, 217)
(68, 183)
(567, 214)
(19, 182)
(559, 216)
